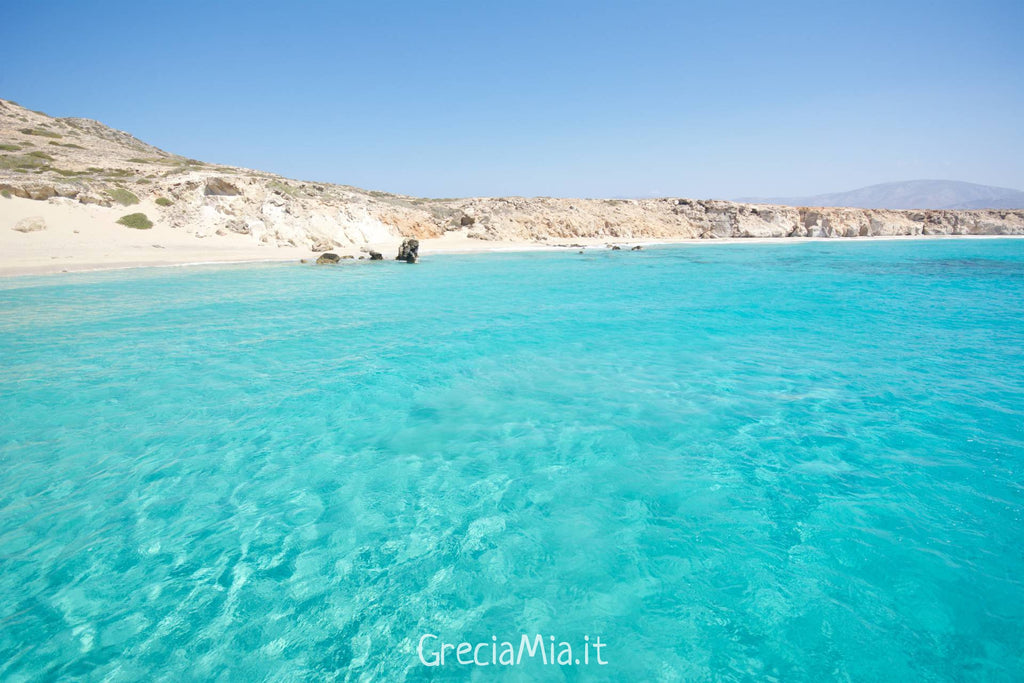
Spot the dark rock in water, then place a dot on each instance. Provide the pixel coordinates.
(302, 260)
(376, 256)
(616, 248)
(328, 257)
(348, 256)
(581, 251)
(637, 248)
(218, 187)
(409, 251)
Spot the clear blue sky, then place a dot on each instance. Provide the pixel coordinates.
(700, 99)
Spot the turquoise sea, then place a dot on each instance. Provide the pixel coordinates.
(792, 462)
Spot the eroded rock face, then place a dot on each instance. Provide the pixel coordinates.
(409, 251)
(32, 191)
(218, 187)
(328, 258)
(93, 199)
(30, 224)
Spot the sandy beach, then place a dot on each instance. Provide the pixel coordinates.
(88, 238)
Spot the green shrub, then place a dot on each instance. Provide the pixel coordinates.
(70, 145)
(123, 196)
(9, 148)
(40, 155)
(5, 194)
(41, 132)
(136, 220)
(163, 201)
(284, 187)
(16, 162)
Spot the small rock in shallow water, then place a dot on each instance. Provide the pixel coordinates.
(616, 248)
(376, 256)
(328, 257)
(637, 248)
(409, 251)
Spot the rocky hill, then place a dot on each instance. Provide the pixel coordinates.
(82, 163)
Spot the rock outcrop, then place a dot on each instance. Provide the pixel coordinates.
(218, 187)
(328, 258)
(31, 224)
(409, 251)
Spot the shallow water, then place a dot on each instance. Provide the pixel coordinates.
(792, 461)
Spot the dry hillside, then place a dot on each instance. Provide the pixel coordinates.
(81, 163)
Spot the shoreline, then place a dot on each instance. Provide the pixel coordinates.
(455, 245)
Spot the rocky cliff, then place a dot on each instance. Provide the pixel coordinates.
(79, 161)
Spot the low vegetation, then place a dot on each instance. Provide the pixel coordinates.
(5, 194)
(41, 155)
(163, 201)
(287, 189)
(9, 148)
(138, 221)
(68, 174)
(168, 161)
(41, 132)
(20, 162)
(69, 145)
(123, 197)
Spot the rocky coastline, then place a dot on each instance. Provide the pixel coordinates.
(83, 169)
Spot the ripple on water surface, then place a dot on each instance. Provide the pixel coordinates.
(799, 461)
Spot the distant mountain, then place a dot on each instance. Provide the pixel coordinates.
(910, 194)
